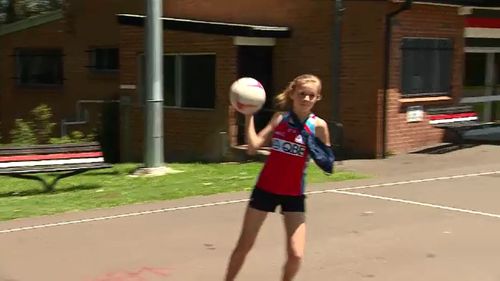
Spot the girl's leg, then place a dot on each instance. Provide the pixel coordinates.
(295, 226)
(251, 225)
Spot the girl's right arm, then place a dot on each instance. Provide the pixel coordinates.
(256, 141)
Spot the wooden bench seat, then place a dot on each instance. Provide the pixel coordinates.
(67, 159)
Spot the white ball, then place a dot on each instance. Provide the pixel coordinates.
(247, 95)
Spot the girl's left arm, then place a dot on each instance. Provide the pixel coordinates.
(322, 132)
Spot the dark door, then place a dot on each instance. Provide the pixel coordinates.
(257, 62)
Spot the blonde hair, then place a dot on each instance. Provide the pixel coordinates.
(283, 101)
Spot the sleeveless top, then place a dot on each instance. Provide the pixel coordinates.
(284, 170)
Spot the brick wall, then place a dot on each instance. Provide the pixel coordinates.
(421, 21)
(361, 76)
(18, 101)
(86, 24)
(308, 51)
(189, 133)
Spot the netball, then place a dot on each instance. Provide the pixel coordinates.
(247, 95)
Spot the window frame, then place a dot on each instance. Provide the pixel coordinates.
(18, 54)
(448, 46)
(93, 59)
(178, 65)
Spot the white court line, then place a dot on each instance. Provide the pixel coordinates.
(414, 181)
(41, 226)
(120, 216)
(418, 203)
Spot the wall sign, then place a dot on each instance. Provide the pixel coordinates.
(414, 114)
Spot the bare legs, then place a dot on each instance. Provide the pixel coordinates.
(251, 225)
(295, 236)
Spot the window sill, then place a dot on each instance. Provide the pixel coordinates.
(424, 99)
(104, 71)
(40, 86)
(188, 108)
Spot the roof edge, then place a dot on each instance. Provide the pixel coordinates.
(31, 22)
(210, 27)
(484, 4)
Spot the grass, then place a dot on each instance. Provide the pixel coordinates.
(479, 109)
(113, 187)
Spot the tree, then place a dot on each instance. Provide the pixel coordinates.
(14, 10)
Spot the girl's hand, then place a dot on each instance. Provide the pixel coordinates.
(256, 141)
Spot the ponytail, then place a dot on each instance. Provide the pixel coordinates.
(283, 101)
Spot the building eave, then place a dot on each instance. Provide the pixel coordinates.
(210, 27)
(31, 22)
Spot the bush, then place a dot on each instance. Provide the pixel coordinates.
(41, 124)
(39, 130)
(73, 137)
(22, 134)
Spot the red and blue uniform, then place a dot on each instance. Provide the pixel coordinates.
(284, 170)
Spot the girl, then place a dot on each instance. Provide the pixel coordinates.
(281, 181)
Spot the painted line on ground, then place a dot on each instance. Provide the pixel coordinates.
(418, 203)
(121, 216)
(415, 181)
(339, 190)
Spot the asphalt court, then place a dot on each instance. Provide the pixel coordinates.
(440, 228)
(470, 193)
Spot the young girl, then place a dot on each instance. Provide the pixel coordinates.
(281, 181)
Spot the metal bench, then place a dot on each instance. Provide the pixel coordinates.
(67, 160)
(457, 120)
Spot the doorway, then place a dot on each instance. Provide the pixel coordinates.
(257, 62)
(482, 82)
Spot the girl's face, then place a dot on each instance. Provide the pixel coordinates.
(305, 96)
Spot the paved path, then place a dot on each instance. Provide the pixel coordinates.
(421, 217)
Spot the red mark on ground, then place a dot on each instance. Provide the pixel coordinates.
(141, 274)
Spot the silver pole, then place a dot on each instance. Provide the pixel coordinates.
(154, 85)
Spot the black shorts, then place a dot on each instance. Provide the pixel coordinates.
(267, 202)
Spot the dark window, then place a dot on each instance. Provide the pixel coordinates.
(104, 59)
(189, 80)
(426, 66)
(475, 69)
(39, 66)
(169, 80)
(198, 81)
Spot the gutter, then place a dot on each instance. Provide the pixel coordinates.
(387, 59)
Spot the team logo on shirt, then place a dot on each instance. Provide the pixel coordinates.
(288, 147)
(299, 139)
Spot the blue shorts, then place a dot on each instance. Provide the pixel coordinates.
(267, 202)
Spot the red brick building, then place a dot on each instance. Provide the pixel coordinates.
(209, 44)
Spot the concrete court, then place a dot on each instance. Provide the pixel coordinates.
(420, 217)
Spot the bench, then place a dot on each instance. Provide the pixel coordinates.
(457, 120)
(67, 160)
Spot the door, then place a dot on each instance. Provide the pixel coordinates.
(257, 62)
(482, 82)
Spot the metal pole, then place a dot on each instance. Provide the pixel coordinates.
(153, 156)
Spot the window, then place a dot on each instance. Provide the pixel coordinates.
(188, 80)
(39, 67)
(104, 59)
(426, 66)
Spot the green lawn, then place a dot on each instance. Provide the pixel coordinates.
(479, 108)
(114, 186)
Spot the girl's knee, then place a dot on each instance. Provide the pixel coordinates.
(295, 255)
